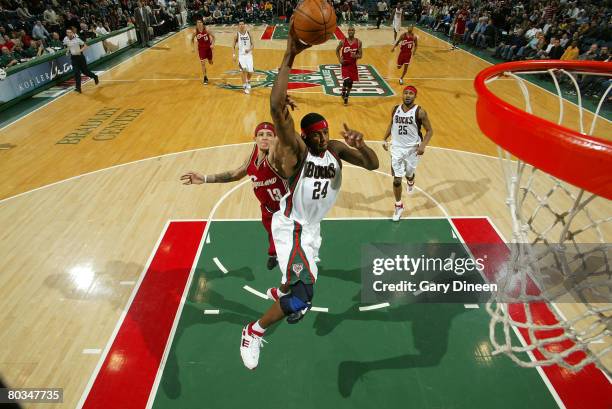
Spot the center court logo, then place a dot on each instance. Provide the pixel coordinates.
(370, 83)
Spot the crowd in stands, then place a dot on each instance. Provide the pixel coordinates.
(530, 29)
(30, 28)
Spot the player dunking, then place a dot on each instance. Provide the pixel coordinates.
(397, 20)
(269, 187)
(408, 46)
(407, 143)
(206, 43)
(348, 52)
(312, 164)
(245, 55)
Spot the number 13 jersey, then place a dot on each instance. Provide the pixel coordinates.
(268, 186)
(406, 128)
(313, 189)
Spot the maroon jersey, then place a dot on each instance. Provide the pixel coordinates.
(268, 186)
(349, 50)
(203, 38)
(407, 44)
(462, 16)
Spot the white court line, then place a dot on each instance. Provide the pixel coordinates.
(94, 374)
(320, 309)
(92, 351)
(127, 282)
(221, 266)
(70, 93)
(541, 372)
(191, 151)
(374, 307)
(211, 312)
(254, 291)
(471, 306)
(208, 238)
(180, 309)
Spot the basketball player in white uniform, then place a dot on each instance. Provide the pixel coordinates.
(407, 143)
(312, 165)
(397, 21)
(245, 55)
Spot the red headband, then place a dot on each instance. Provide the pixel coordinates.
(411, 88)
(265, 125)
(317, 126)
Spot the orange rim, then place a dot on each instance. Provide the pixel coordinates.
(581, 160)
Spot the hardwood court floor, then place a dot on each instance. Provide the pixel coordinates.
(73, 251)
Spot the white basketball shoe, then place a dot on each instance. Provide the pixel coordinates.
(397, 213)
(250, 344)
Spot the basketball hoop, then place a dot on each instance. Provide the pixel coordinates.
(559, 187)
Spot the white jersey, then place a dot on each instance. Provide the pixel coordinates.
(406, 128)
(244, 42)
(397, 16)
(313, 191)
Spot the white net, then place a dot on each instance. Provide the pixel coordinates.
(556, 289)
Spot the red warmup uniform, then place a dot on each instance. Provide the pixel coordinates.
(204, 42)
(269, 187)
(462, 16)
(349, 62)
(406, 45)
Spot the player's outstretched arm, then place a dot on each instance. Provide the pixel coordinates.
(357, 152)
(194, 178)
(285, 128)
(428, 131)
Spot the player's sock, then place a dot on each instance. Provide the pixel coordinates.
(398, 204)
(256, 329)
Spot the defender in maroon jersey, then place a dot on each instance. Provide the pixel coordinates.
(408, 45)
(348, 52)
(268, 186)
(206, 43)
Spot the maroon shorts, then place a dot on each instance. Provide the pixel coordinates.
(205, 54)
(350, 71)
(403, 59)
(460, 29)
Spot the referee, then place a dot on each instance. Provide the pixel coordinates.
(76, 46)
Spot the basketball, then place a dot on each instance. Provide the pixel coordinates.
(314, 21)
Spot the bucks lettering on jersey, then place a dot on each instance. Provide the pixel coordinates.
(406, 127)
(314, 188)
(244, 42)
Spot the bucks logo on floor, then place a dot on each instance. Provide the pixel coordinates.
(329, 77)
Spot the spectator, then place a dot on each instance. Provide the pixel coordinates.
(382, 9)
(591, 53)
(39, 32)
(8, 43)
(51, 18)
(55, 43)
(217, 16)
(572, 52)
(7, 59)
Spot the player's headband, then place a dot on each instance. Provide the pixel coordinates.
(411, 88)
(265, 125)
(317, 126)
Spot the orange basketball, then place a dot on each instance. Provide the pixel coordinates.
(314, 21)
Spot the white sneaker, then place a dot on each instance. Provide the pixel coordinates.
(410, 186)
(273, 293)
(401, 81)
(397, 213)
(250, 344)
(248, 85)
(246, 90)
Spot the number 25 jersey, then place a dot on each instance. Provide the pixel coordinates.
(313, 189)
(406, 128)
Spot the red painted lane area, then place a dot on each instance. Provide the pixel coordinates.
(587, 389)
(339, 34)
(129, 369)
(267, 34)
(301, 85)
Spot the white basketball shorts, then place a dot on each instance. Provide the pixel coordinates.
(404, 161)
(246, 62)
